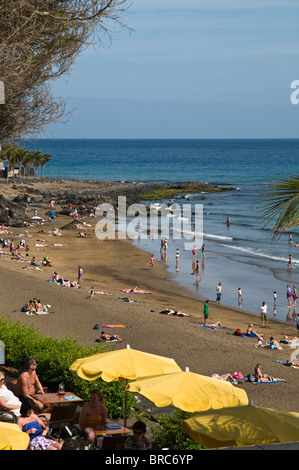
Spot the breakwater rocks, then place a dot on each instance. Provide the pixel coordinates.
(83, 194)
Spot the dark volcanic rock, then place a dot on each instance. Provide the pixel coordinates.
(12, 212)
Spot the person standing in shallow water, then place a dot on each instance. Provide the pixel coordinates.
(218, 292)
(240, 296)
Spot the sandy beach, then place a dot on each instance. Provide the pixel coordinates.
(113, 265)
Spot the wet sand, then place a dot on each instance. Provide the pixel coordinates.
(113, 265)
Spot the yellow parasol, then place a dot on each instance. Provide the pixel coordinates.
(12, 438)
(120, 364)
(123, 364)
(242, 426)
(189, 391)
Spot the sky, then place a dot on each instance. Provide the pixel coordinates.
(189, 69)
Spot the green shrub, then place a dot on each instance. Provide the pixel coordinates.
(168, 434)
(54, 359)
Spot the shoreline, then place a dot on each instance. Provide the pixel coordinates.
(113, 265)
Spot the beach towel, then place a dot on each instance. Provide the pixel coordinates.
(107, 341)
(113, 326)
(125, 299)
(37, 313)
(270, 382)
(213, 327)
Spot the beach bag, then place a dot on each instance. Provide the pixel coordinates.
(251, 378)
(238, 375)
(238, 332)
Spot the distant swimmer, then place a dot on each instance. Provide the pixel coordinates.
(228, 220)
(290, 238)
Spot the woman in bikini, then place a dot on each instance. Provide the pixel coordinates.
(264, 377)
(94, 413)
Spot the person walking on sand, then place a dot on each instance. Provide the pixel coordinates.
(218, 292)
(80, 273)
(152, 261)
(264, 314)
(203, 250)
(206, 312)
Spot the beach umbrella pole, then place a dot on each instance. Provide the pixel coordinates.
(125, 405)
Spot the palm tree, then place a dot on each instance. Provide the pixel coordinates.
(36, 160)
(25, 159)
(8, 153)
(282, 204)
(45, 157)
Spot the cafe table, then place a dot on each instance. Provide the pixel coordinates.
(111, 429)
(52, 398)
(112, 436)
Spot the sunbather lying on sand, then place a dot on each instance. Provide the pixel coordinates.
(286, 340)
(224, 377)
(135, 290)
(66, 283)
(93, 292)
(168, 311)
(217, 324)
(105, 337)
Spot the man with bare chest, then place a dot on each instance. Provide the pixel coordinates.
(28, 383)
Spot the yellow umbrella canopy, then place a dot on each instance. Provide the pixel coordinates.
(123, 364)
(128, 364)
(242, 426)
(12, 438)
(189, 391)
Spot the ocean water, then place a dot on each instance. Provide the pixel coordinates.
(241, 254)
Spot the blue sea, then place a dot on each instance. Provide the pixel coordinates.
(241, 254)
